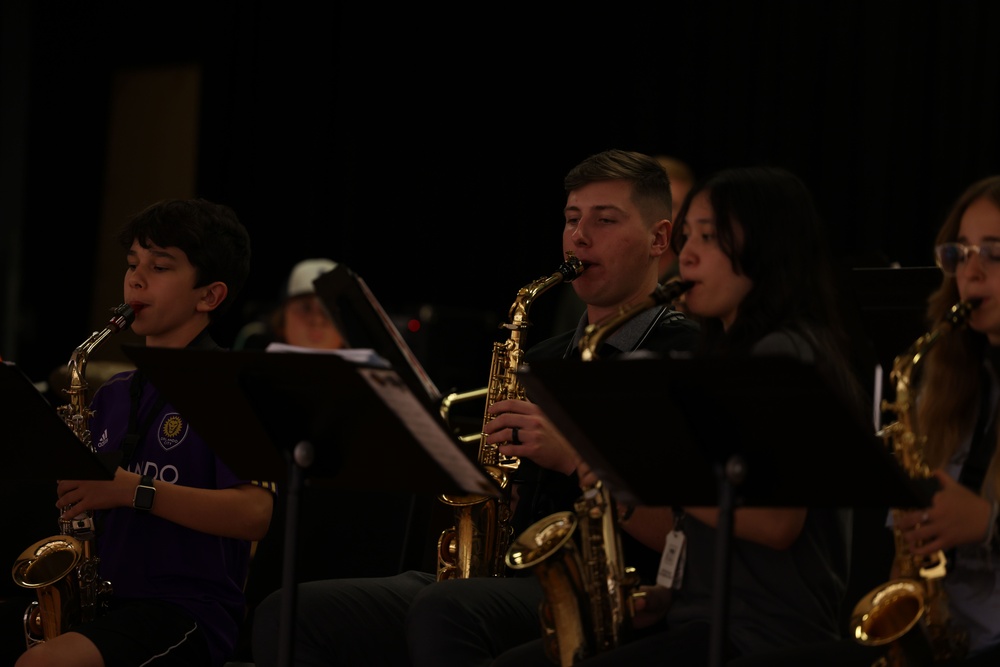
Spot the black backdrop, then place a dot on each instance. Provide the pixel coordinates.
(425, 147)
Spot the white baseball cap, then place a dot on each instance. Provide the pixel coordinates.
(300, 280)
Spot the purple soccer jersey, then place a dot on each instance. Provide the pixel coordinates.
(145, 556)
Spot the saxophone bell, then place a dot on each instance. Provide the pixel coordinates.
(893, 615)
(50, 568)
(589, 594)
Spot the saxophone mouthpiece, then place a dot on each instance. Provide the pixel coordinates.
(122, 317)
(571, 268)
(671, 291)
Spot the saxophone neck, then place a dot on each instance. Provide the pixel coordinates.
(568, 271)
(595, 334)
(76, 411)
(77, 365)
(122, 317)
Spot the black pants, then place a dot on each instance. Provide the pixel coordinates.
(682, 646)
(407, 619)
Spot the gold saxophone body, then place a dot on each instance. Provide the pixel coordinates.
(62, 569)
(910, 613)
(589, 593)
(475, 545)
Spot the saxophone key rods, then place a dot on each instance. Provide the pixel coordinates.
(477, 543)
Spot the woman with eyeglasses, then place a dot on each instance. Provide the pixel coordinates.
(957, 397)
(956, 411)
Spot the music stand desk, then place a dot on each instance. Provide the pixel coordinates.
(345, 424)
(40, 446)
(765, 431)
(361, 318)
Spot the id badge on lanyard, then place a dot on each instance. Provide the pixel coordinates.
(671, 571)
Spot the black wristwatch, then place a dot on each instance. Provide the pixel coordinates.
(144, 494)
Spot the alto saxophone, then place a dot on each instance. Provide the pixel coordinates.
(589, 593)
(62, 569)
(910, 613)
(476, 544)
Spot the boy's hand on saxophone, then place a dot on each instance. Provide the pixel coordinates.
(81, 495)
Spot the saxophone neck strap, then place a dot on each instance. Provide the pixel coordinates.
(983, 440)
(137, 431)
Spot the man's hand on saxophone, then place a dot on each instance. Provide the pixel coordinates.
(957, 516)
(540, 440)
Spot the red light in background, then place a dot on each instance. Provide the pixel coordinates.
(413, 325)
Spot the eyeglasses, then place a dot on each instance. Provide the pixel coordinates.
(949, 255)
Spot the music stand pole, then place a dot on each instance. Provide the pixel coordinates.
(730, 477)
(302, 458)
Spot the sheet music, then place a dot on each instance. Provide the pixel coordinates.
(343, 290)
(361, 355)
(395, 394)
(411, 359)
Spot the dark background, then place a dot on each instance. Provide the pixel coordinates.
(425, 147)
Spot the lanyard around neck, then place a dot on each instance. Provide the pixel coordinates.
(137, 431)
(983, 441)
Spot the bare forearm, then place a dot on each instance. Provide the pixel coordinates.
(242, 512)
(772, 527)
(649, 525)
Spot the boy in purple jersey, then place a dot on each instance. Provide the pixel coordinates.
(174, 526)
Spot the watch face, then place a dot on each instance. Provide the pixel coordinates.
(143, 499)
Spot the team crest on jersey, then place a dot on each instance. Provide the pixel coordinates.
(173, 430)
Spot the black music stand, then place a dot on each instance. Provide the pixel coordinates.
(719, 433)
(41, 446)
(365, 323)
(354, 425)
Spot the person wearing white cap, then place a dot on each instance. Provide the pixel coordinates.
(302, 319)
